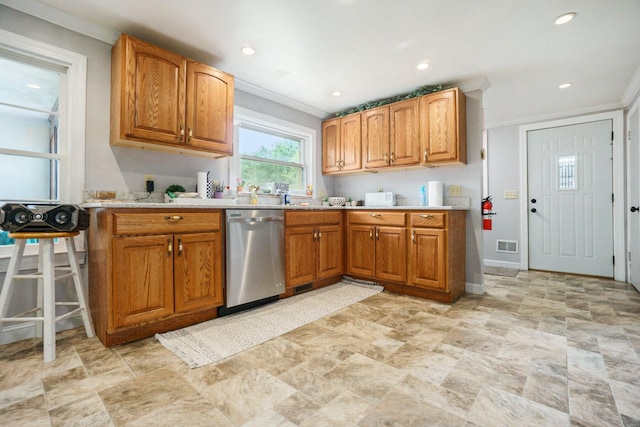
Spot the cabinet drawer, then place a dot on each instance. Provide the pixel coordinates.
(429, 219)
(165, 222)
(313, 218)
(378, 218)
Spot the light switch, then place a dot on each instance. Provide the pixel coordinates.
(455, 190)
(512, 194)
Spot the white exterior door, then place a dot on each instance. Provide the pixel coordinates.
(633, 125)
(570, 187)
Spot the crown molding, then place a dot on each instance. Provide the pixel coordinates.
(280, 99)
(63, 19)
(481, 84)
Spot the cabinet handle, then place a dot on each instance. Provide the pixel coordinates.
(169, 247)
(181, 133)
(377, 234)
(413, 236)
(190, 134)
(371, 233)
(426, 216)
(375, 215)
(386, 158)
(338, 164)
(393, 157)
(319, 234)
(425, 155)
(179, 247)
(173, 217)
(341, 163)
(315, 235)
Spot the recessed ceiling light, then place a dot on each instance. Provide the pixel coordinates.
(423, 65)
(564, 85)
(336, 93)
(247, 50)
(563, 19)
(33, 86)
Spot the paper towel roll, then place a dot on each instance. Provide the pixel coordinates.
(202, 185)
(436, 193)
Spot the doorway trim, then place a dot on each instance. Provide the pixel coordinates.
(617, 118)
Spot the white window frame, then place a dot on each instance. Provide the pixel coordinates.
(71, 137)
(258, 121)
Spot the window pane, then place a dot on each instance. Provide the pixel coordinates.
(567, 172)
(269, 146)
(27, 178)
(28, 85)
(261, 173)
(26, 130)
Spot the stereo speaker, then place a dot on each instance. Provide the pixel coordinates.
(43, 218)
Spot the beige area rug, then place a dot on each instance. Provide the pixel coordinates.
(217, 339)
(501, 271)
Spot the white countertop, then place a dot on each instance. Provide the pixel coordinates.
(223, 205)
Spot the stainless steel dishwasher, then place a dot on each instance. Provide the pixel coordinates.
(255, 258)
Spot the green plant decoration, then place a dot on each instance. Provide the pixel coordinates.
(422, 90)
(173, 188)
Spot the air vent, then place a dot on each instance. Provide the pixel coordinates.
(508, 246)
(303, 288)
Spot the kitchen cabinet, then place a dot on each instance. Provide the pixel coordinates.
(443, 127)
(163, 101)
(390, 135)
(377, 245)
(313, 246)
(153, 271)
(342, 145)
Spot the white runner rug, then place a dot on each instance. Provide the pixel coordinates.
(216, 339)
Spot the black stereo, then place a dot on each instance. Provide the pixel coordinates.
(43, 218)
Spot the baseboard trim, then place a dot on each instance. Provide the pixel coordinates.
(505, 264)
(27, 330)
(474, 288)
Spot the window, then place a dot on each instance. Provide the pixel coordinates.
(268, 150)
(42, 148)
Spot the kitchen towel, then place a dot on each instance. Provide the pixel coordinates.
(436, 193)
(202, 184)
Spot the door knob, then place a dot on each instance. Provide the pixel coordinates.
(533, 200)
(534, 210)
(635, 209)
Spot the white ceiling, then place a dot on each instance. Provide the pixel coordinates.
(369, 49)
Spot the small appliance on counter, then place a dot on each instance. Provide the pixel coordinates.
(380, 199)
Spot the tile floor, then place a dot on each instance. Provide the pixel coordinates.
(540, 349)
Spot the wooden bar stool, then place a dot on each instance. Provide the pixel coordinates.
(46, 276)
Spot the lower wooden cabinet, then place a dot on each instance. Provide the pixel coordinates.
(153, 271)
(420, 253)
(313, 246)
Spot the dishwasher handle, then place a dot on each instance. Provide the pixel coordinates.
(256, 219)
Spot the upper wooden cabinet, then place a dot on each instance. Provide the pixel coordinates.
(430, 130)
(443, 126)
(341, 144)
(163, 101)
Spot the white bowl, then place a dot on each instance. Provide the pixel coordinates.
(337, 201)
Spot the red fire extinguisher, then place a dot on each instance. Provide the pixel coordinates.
(487, 206)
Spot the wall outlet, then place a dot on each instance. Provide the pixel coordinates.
(455, 190)
(512, 194)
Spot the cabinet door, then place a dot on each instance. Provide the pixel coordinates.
(329, 251)
(209, 103)
(375, 137)
(351, 143)
(331, 146)
(300, 255)
(443, 127)
(142, 280)
(197, 271)
(405, 133)
(361, 258)
(427, 262)
(391, 253)
(153, 94)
